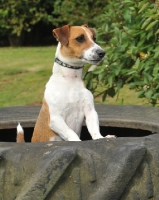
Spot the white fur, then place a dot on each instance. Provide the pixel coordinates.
(20, 129)
(89, 55)
(69, 101)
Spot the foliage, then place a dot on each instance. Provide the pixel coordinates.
(21, 15)
(79, 12)
(131, 38)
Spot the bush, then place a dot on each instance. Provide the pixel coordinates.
(21, 15)
(79, 12)
(130, 35)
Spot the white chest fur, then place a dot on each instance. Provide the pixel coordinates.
(66, 96)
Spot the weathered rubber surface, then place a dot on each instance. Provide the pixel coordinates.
(137, 117)
(105, 169)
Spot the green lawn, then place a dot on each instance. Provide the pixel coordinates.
(25, 71)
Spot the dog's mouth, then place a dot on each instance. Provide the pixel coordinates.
(95, 61)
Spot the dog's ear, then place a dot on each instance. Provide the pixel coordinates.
(85, 25)
(62, 34)
(91, 29)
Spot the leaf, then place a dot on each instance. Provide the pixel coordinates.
(156, 96)
(140, 94)
(151, 24)
(127, 16)
(98, 70)
(146, 22)
(147, 78)
(101, 76)
(115, 69)
(132, 85)
(143, 7)
(131, 72)
(110, 79)
(157, 32)
(148, 94)
(137, 63)
(111, 92)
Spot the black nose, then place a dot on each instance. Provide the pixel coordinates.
(101, 53)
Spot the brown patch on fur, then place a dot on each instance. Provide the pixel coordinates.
(42, 131)
(20, 137)
(74, 49)
(62, 34)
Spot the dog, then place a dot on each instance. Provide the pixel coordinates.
(66, 101)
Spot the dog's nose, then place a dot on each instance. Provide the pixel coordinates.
(100, 52)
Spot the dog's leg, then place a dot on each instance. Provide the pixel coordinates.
(91, 116)
(59, 126)
(92, 123)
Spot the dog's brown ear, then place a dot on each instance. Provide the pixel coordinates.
(62, 34)
(85, 25)
(93, 31)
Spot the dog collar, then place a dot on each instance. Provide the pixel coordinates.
(66, 65)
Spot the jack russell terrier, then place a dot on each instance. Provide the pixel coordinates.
(66, 101)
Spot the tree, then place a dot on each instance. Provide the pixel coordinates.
(79, 12)
(21, 15)
(131, 38)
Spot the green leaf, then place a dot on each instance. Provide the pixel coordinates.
(115, 69)
(132, 85)
(127, 16)
(152, 24)
(137, 63)
(143, 7)
(148, 94)
(146, 22)
(140, 94)
(156, 96)
(157, 32)
(111, 92)
(110, 79)
(98, 70)
(101, 76)
(147, 78)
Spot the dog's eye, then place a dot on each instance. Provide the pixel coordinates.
(80, 39)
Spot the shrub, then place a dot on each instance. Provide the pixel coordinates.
(79, 12)
(21, 15)
(130, 35)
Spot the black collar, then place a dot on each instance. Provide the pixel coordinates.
(66, 65)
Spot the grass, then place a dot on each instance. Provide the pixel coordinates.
(23, 74)
(25, 71)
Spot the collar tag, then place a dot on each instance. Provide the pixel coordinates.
(66, 65)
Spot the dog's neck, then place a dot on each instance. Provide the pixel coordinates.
(59, 70)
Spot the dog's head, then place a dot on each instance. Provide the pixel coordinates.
(78, 42)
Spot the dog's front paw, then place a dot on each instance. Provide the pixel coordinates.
(110, 136)
(96, 137)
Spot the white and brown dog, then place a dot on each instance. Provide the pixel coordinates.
(66, 100)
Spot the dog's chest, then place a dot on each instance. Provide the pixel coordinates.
(66, 95)
(67, 99)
